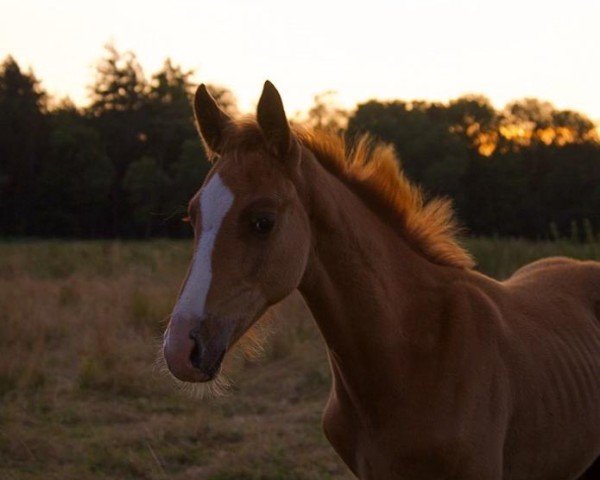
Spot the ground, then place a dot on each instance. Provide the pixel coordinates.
(83, 396)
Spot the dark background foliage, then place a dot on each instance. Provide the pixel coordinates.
(126, 165)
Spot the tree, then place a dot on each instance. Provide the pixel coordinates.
(474, 118)
(119, 113)
(325, 114)
(170, 120)
(532, 122)
(146, 185)
(23, 135)
(75, 180)
(120, 84)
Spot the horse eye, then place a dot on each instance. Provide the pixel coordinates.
(262, 224)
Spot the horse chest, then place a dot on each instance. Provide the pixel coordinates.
(387, 450)
(341, 432)
(359, 445)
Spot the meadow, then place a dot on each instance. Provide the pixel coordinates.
(83, 396)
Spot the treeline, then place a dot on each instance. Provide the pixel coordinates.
(126, 165)
(527, 170)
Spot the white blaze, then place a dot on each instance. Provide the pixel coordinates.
(215, 201)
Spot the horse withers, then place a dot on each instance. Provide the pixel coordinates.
(439, 372)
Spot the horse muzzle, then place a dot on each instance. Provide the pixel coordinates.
(194, 349)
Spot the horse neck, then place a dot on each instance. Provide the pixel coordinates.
(364, 285)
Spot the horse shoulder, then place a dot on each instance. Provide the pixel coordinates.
(468, 378)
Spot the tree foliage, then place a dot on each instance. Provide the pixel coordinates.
(23, 134)
(75, 180)
(127, 164)
(520, 171)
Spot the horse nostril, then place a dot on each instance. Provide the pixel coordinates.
(196, 354)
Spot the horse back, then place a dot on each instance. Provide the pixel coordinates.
(567, 279)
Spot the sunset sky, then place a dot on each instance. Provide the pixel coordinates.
(429, 49)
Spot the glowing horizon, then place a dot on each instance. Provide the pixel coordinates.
(432, 49)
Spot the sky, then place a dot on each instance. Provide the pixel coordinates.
(419, 49)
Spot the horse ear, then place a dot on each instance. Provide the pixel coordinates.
(273, 122)
(211, 120)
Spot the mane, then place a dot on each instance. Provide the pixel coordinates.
(372, 170)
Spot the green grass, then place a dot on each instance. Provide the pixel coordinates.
(81, 395)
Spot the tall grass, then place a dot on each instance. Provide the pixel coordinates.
(82, 397)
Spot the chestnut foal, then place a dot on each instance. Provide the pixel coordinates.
(439, 372)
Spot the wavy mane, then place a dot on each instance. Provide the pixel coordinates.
(372, 169)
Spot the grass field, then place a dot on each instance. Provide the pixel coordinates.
(82, 396)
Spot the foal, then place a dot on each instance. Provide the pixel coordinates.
(439, 372)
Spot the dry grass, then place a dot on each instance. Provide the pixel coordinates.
(81, 395)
